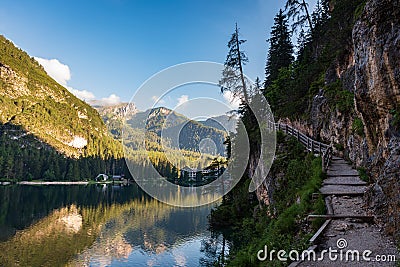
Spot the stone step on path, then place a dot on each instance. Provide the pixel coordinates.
(344, 205)
(343, 180)
(342, 189)
(341, 167)
(358, 234)
(344, 173)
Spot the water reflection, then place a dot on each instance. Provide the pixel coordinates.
(96, 226)
(21, 206)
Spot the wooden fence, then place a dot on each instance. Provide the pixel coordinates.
(324, 150)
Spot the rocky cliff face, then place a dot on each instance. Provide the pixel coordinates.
(120, 111)
(372, 72)
(376, 38)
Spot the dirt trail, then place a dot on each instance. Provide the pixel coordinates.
(344, 191)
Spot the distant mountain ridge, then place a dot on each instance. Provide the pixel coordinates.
(222, 122)
(161, 120)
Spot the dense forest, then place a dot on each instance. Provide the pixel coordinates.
(27, 159)
(292, 82)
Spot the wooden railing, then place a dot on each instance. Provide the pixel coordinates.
(324, 150)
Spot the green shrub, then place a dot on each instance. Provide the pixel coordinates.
(339, 147)
(395, 122)
(362, 172)
(358, 127)
(359, 10)
(293, 205)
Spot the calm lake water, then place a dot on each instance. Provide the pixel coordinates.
(98, 225)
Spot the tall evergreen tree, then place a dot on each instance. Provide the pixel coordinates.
(298, 11)
(302, 41)
(280, 53)
(320, 16)
(257, 83)
(233, 79)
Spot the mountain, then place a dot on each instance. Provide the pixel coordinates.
(46, 132)
(118, 111)
(33, 101)
(222, 122)
(153, 119)
(161, 121)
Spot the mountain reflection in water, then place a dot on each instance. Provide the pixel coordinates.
(100, 226)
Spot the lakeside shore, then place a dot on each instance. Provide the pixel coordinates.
(62, 182)
(53, 183)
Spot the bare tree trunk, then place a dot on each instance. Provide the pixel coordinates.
(246, 97)
(308, 16)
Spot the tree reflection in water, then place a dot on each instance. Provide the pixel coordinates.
(215, 250)
(123, 224)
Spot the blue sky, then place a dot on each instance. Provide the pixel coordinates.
(110, 47)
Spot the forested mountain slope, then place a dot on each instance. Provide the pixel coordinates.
(46, 132)
(32, 100)
(157, 122)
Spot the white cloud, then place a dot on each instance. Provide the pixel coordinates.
(111, 100)
(180, 259)
(57, 70)
(82, 94)
(233, 101)
(61, 73)
(182, 99)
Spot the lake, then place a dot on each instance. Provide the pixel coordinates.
(101, 225)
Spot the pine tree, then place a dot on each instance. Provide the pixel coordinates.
(257, 83)
(302, 41)
(280, 53)
(298, 11)
(233, 79)
(320, 16)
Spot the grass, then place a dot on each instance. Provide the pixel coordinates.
(358, 127)
(285, 231)
(339, 147)
(395, 122)
(339, 97)
(362, 172)
(359, 10)
(283, 225)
